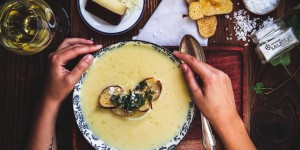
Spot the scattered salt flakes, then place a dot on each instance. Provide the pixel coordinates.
(244, 26)
(227, 16)
(253, 32)
(238, 3)
(266, 22)
(246, 44)
(244, 38)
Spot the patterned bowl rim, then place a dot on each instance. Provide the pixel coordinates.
(88, 134)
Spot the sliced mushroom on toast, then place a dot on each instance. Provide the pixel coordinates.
(122, 112)
(151, 87)
(147, 106)
(156, 89)
(107, 94)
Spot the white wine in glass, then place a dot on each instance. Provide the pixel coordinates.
(26, 26)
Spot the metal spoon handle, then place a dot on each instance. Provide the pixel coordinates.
(208, 138)
(191, 46)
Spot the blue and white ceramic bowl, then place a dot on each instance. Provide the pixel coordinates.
(92, 138)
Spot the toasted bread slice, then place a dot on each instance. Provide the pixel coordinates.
(122, 112)
(223, 8)
(150, 84)
(207, 26)
(198, 10)
(156, 88)
(215, 2)
(104, 100)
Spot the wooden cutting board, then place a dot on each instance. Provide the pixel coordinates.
(232, 61)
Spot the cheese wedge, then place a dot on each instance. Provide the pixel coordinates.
(111, 11)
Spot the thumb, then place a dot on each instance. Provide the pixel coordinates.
(80, 68)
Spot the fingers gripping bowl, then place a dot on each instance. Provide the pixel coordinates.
(123, 66)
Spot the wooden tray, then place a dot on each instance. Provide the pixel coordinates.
(231, 60)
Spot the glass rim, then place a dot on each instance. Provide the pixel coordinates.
(43, 22)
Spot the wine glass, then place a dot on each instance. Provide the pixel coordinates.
(26, 26)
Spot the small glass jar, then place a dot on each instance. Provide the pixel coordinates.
(273, 40)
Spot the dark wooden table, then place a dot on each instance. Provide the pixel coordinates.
(272, 120)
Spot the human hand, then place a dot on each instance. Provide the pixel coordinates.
(215, 99)
(216, 102)
(60, 81)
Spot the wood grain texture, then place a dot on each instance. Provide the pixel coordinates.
(275, 117)
(21, 84)
(22, 78)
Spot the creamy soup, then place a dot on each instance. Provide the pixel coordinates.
(126, 66)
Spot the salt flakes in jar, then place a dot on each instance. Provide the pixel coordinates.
(261, 7)
(274, 40)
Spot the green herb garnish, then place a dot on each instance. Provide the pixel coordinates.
(116, 99)
(149, 95)
(141, 85)
(136, 101)
(141, 96)
(129, 102)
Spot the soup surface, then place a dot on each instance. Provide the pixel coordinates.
(126, 66)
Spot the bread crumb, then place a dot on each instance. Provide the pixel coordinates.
(154, 34)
